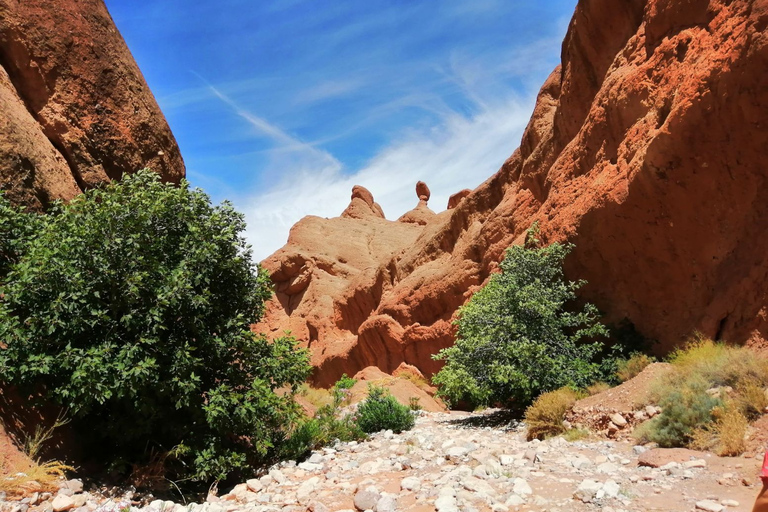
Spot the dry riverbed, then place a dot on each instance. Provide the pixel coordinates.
(456, 462)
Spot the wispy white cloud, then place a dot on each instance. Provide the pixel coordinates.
(460, 153)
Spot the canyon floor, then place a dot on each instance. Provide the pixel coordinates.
(471, 462)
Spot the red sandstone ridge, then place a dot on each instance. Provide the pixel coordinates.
(76, 110)
(646, 149)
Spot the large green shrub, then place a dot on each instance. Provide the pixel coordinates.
(382, 411)
(516, 339)
(131, 307)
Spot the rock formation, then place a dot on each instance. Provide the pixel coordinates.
(421, 214)
(646, 149)
(76, 110)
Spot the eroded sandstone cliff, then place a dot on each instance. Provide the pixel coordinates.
(75, 109)
(647, 149)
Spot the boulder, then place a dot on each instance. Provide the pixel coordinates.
(76, 109)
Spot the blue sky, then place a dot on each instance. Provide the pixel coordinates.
(282, 106)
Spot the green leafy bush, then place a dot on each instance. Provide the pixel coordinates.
(345, 382)
(328, 425)
(516, 339)
(683, 410)
(382, 411)
(132, 306)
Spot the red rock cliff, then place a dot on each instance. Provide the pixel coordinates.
(74, 108)
(647, 149)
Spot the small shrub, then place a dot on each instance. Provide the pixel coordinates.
(691, 416)
(725, 435)
(683, 410)
(31, 474)
(328, 425)
(345, 382)
(413, 403)
(545, 416)
(731, 426)
(751, 398)
(382, 411)
(632, 367)
(597, 388)
(518, 337)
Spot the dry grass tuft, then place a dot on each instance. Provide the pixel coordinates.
(597, 388)
(24, 479)
(725, 436)
(576, 434)
(545, 416)
(731, 426)
(752, 401)
(318, 397)
(632, 367)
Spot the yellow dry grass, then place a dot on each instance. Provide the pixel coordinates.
(22, 479)
(545, 416)
(632, 367)
(597, 388)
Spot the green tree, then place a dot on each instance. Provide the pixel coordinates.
(132, 307)
(17, 228)
(516, 339)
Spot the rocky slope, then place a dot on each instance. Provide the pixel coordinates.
(76, 110)
(646, 149)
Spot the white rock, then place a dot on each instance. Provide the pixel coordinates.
(514, 501)
(608, 468)
(729, 503)
(611, 488)
(254, 485)
(709, 506)
(446, 504)
(618, 420)
(521, 487)
(587, 490)
(306, 489)
(386, 504)
(456, 452)
(696, 463)
(410, 483)
(62, 502)
(366, 499)
(278, 476)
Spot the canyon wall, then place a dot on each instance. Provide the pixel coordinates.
(76, 110)
(646, 148)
